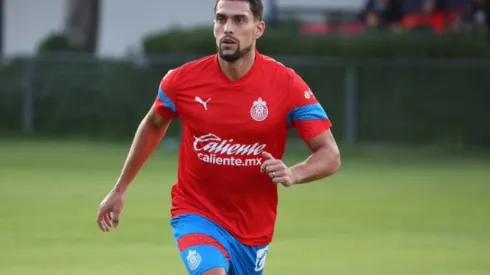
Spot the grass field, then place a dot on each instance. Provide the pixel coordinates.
(378, 216)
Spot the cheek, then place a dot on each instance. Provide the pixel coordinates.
(217, 31)
(247, 37)
(251, 33)
(250, 38)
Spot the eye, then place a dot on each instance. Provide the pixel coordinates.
(240, 20)
(220, 19)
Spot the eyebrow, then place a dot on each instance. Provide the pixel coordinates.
(234, 15)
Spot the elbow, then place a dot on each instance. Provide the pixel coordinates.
(335, 163)
(332, 162)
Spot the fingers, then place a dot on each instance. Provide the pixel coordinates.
(109, 211)
(277, 173)
(271, 166)
(101, 224)
(107, 219)
(282, 177)
(104, 227)
(284, 180)
(115, 217)
(267, 155)
(279, 179)
(270, 161)
(275, 168)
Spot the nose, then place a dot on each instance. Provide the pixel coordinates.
(228, 28)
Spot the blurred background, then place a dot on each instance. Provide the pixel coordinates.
(387, 71)
(406, 84)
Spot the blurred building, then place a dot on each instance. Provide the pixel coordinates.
(123, 22)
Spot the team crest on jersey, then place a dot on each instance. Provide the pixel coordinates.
(193, 259)
(259, 111)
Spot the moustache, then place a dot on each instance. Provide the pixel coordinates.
(228, 39)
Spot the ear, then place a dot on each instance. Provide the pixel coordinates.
(259, 29)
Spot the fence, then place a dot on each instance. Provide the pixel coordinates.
(423, 101)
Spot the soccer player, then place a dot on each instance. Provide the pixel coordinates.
(236, 108)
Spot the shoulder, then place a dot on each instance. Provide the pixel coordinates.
(289, 83)
(286, 78)
(280, 71)
(194, 67)
(198, 64)
(176, 77)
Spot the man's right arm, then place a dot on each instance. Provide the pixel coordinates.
(150, 131)
(147, 138)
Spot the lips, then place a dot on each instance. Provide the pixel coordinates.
(228, 41)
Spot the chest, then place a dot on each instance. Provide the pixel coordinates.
(252, 109)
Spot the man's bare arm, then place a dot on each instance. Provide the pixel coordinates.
(147, 138)
(324, 161)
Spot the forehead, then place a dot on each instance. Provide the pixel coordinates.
(233, 7)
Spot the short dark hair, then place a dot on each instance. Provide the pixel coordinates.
(256, 7)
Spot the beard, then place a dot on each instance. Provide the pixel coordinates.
(236, 55)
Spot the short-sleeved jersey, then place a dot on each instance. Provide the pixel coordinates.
(226, 127)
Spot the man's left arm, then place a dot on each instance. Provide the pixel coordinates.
(311, 122)
(323, 162)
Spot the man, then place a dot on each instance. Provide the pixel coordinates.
(236, 108)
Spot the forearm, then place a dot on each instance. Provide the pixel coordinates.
(322, 163)
(146, 140)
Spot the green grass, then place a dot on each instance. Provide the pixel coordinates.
(380, 215)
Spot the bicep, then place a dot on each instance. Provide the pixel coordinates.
(157, 119)
(324, 140)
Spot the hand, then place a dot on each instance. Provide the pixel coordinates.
(109, 210)
(277, 170)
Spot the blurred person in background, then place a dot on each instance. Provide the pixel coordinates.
(431, 16)
(382, 14)
(478, 16)
(478, 13)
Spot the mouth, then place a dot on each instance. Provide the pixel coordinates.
(228, 42)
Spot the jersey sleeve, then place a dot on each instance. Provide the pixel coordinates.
(306, 114)
(165, 100)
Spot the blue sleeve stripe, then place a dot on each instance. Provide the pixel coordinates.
(167, 102)
(307, 112)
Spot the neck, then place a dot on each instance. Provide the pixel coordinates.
(239, 68)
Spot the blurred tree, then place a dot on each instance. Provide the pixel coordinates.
(82, 24)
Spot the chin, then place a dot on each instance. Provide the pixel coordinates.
(227, 52)
(230, 58)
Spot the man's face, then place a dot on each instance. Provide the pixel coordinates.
(235, 29)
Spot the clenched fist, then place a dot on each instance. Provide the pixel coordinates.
(277, 170)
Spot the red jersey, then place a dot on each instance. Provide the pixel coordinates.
(226, 127)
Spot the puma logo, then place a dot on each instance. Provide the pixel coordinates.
(204, 103)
